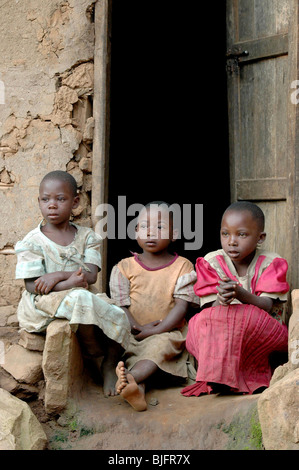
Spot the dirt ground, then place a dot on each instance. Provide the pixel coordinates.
(172, 421)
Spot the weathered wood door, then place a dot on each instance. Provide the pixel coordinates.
(261, 66)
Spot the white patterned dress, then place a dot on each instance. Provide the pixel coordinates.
(38, 255)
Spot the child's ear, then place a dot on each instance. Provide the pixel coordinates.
(76, 201)
(137, 232)
(175, 234)
(262, 238)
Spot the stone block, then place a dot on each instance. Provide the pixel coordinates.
(294, 332)
(24, 365)
(19, 427)
(6, 311)
(85, 164)
(62, 366)
(20, 390)
(88, 130)
(278, 409)
(32, 341)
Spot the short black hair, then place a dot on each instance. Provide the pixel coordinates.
(255, 211)
(165, 205)
(157, 203)
(64, 177)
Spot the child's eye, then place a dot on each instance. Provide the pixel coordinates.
(242, 234)
(224, 234)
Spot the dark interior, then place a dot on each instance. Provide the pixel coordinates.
(169, 125)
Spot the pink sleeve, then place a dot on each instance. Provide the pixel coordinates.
(207, 278)
(273, 279)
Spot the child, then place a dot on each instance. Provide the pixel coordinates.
(241, 290)
(59, 262)
(154, 288)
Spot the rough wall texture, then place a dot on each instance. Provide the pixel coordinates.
(46, 123)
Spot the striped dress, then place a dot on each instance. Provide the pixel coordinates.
(232, 343)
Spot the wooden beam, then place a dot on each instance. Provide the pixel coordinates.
(272, 46)
(266, 189)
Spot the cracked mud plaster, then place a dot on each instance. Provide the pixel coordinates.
(53, 31)
(49, 32)
(76, 86)
(40, 137)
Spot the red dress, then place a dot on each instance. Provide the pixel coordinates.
(232, 343)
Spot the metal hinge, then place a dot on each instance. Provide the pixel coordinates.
(233, 59)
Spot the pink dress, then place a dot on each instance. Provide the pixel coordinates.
(232, 343)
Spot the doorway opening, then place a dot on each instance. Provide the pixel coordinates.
(168, 113)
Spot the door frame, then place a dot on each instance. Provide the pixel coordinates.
(101, 114)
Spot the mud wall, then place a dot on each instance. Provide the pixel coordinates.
(46, 117)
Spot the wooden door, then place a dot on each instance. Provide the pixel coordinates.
(261, 65)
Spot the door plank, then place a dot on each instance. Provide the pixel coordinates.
(258, 49)
(271, 189)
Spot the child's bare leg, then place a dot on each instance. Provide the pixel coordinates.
(89, 341)
(130, 384)
(143, 369)
(113, 353)
(96, 345)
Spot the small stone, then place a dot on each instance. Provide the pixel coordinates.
(153, 401)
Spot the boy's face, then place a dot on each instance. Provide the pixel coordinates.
(240, 233)
(56, 201)
(154, 231)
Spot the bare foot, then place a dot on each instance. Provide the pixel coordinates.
(129, 389)
(109, 379)
(122, 378)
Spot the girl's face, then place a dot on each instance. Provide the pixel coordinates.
(240, 234)
(56, 201)
(154, 231)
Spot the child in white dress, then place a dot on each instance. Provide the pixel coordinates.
(59, 261)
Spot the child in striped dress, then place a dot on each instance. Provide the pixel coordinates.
(242, 289)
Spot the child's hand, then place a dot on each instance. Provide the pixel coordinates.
(45, 283)
(144, 331)
(78, 279)
(227, 291)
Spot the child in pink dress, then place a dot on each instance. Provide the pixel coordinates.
(242, 289)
